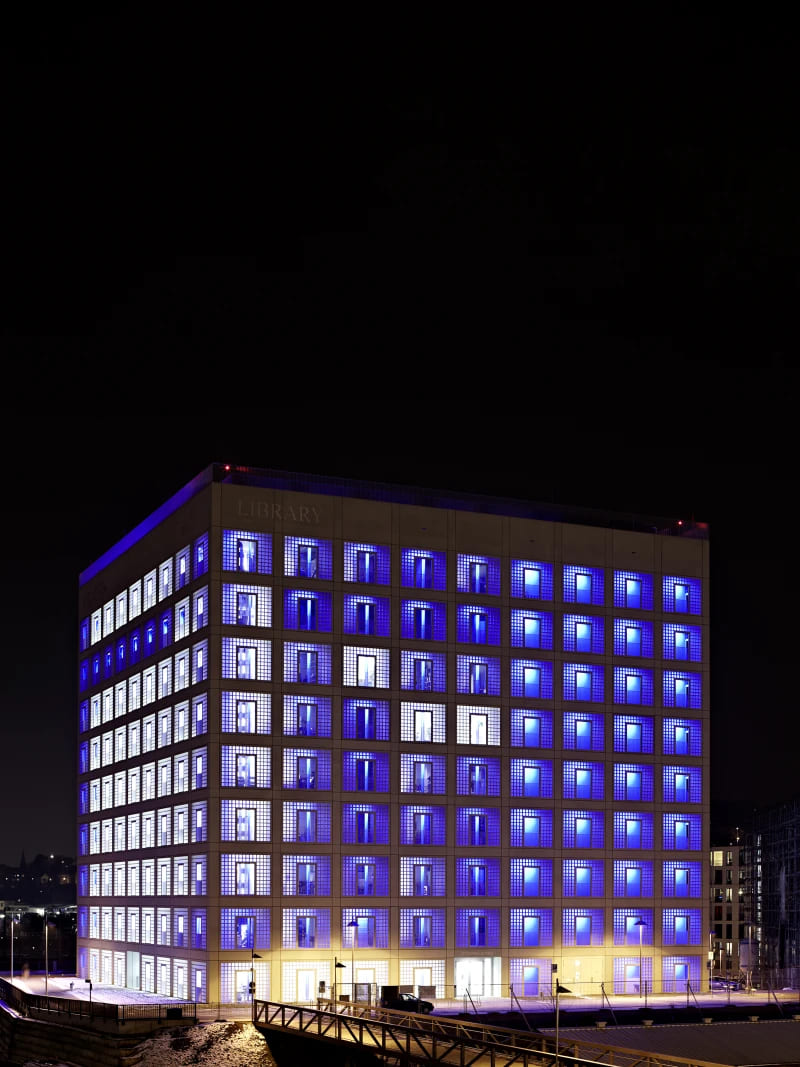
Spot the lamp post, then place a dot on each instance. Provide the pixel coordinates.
(89, 983)
(641, 924)
(353, 924)
(559, 989)
(337, 966)
(13, 923)
(253, 957)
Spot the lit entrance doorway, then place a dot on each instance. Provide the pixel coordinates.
(422, 976)
(479, 976)
(306, 985)
(242, 986)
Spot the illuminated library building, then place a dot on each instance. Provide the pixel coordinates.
(448, 741)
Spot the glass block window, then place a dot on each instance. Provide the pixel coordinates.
(633, 878)
(307, 821)
(246, 658)
(531, 828)
(372, 930)
(626, 926)
(532, 678)
(366, 615)
(409, 969)
(682, 785)
(633, 685)
(246, 713)
(682, 690)
(244, 928)
(365, 876)
(365, 772)
(583, 731)
(626, 974)
(477, 826)
(531, 579)
(530, 977)
(682, 926)
(422, 824)
(365, 824)
(584, 634)
(182, 567)
(367, 720)
(425, 671)
(306, 715)
(246, 552)
(365, 562)
(245, 874)
(305, 609)
(633, 637)
(477, 725)
(633, 781)
(531, 629)
(633, 829)
(246, 766)
(365, 667)
(532, 778)
(477, 776)
(633, 589)
(426, 723)
(422, 568)
(582, 780)
(306, 768)
(423, 773)
(531, 877)
(633, 733)
(245, 820)
(307, 557)
(530, 926)
(682, 737)
(582, 878)
(478, 574)
(477, 624)
(306, 928)
(677, 971)
(681, 595)
(583, 585)
(682, 642)
(683, 878)
(200, 555)
(477, 927)
(582, 926)
(306, 875)
(423, 876)
(423, 928)
(199, 611)
(583, 681)
(582, 829)
(531, 728)
(306, 663)
(478, 675)
(423, 620)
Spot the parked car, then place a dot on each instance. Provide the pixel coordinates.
(407, 1002)
(725, 983)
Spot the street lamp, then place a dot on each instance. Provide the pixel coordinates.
(253, 957)
(641, 924)
(559, 989)
(354, 924)
(89, 983)
(13, 923)
(336, 967)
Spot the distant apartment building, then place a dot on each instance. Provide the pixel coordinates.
(732, 932)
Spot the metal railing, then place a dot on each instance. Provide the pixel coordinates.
(85, 1011)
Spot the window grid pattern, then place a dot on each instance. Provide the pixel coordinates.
(576, 688)
(621, 868)
(408, 557)
(232, 769)
(621, 818)
(408, 967)
(571, 634)
(438, 820)
(517, 876)
(694, 784)
(323, 713)
(382, 609)
(408, 718)
(621, 724)
(350, 814)
(621, 578)
(695, 836)
(693, 681)
(571, 836)
(645, 628)
(350, 866)
(517, 820)
(464, 574)
(438, 927)
(644, 692)
(542, 968)
(229, 918)
(228, 819)
(228, 873)
(291, 662)
(323, 758)
(380, 926)
(569, 922)
(231, 662)
(465, 932)
(350, 770)
(519, 685)
(323, 820)
(291, 883)
(516, 926)
(464, 722)
(696, 877)
(464, 818)
(322, 927)
(572, 592)
(324, 557)
(575, 735)
(518, 568)
(438, 777)
(573, 772)
(438, 619)
(669, 600)
(673, 966)
(383, 561)
(262, 616)
(438, 884)
(570, 886)
(323, 608)
(464, 634)
(695, 644)
(350, 664)
(693, 917)
(621, 772)
(622, 983)
(408, 670)
(350, 718)
(464, 780)
(694, 740)
(518, 777)
(621, 925)
(545, 730)
(231, 556)
(545, 634)
(464, 666)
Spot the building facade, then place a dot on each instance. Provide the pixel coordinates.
(774, 860)
(732, 929)
(445, 741)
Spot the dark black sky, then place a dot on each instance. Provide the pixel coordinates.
(552, 260)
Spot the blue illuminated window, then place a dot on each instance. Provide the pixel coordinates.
(366, 566)
(633, 640)
(584, 633)
(531, 830)
(306, 772)
(531, 879)
(246, 555)
(306, 666)
(532, 579)
(423, 624)
(583, 585)
(633, 734)
(423, 674)
(423, 568)
(246, 661)
(583, 681)
(682, 642)
(477, 627)
(583, 731)
(478, 577)
(633, 593)
(306, 612)
(681, 595)
(531, 725)
(365, 721)
(365, 775)
(479, 574)
(633, 590)
(633, 685)
(477, 930)
(365, 618)
(422, 931)
(306, 924)
(307, 561)
(423, 572)
(633, 689)
(682, 690)
(633, 833)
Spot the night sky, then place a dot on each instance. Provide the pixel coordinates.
(559, 263)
